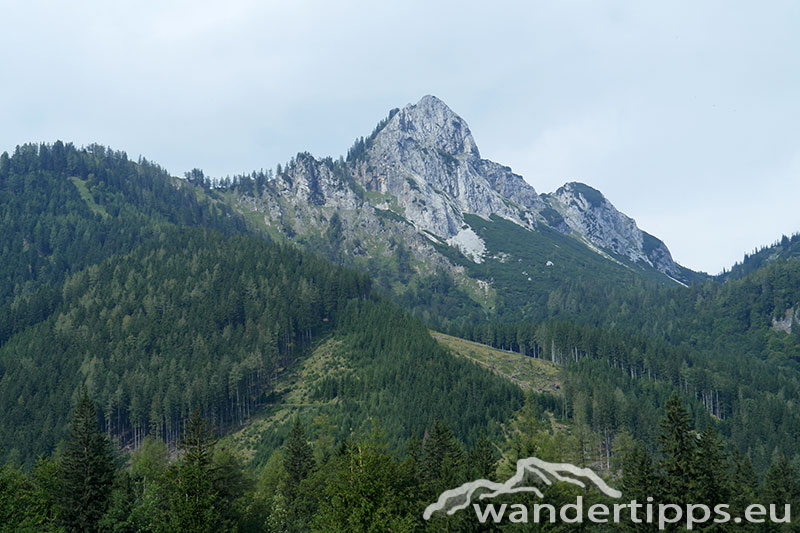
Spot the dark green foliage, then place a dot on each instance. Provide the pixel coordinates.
(631, 376)
(528, 288)
(782, 483)
(592, 195)
(298, 458)
(712, 470)
(28, 502)
(442, 462)
(406, 380)
(482, 459)
(552, 217)
(437, 297)
(363, 487)
(679, 446)
(86, 471)
(179, 316)
(50, 230)
(785, 248)
(692, 469)
(388, 214)
(121, 514)
(192, 497)
(148, 291)
(640, 479)
(650, 243)
(449, 160)
(358, 151)
(367, 490)
(228, 311)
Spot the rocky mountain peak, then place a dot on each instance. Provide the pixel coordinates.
(431, 124)
(425, 162)
(581, 194)
(588, 213)
(422, 169)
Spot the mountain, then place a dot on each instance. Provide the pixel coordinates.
(426, 158)
(152, 294)
(588, 214)
(160, 296)
(416, 205)
(415, 198)
(783, 249)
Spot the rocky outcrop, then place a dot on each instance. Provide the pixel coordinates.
(425, 156)
(414, 180)
(785, 323)
(589, 214)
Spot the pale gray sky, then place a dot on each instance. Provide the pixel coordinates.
(685, 114)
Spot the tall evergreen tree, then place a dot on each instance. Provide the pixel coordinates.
(744, 486)
(678, 445)
(713, 484)
(367, 491)
(482, 459)
(782, 487)
(86, 471)
(298, 458)
(442, 459)
(192, 499)
(640, 481)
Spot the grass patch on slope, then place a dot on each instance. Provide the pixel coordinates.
(526, 372)
(292, 393)
(87, 197)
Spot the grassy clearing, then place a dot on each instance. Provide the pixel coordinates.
(293, 388)
(527, 372)
(83, 190)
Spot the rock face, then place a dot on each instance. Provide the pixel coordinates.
(589, 214)
(416, 177)
(426, 158)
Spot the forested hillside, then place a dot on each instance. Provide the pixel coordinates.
(617, 382)
(152, 296)
(785, 248)
(63, 209)
(149, 298)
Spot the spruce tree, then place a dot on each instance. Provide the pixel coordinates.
(483, 459)
(86, 471)
(744, 487)
(298, 458)
(191, 495)
(712, 480)
(678, 446)
(442, 459)
(782, 483)
(640, 481)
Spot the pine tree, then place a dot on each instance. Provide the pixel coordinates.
(782, 483)
(744, 486)
(640, 481)
(86, 471)
(711, 470)
(298, 458)
(191, 496)
(367, 490)
(442, 459)
(482, 459)
(678, 445)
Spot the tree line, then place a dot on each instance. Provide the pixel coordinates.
(356, 484)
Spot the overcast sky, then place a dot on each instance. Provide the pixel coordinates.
(686, 115)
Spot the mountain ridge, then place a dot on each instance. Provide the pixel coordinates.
(408, 189)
